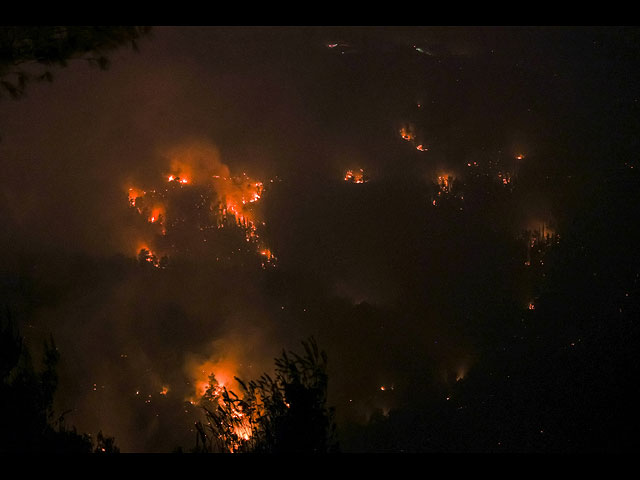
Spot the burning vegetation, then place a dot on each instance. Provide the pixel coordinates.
(356, 176)
(212, 214)
(408, 133)
(286, 413)
(539, 239)
(447, 190)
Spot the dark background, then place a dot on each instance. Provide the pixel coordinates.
(399, 294)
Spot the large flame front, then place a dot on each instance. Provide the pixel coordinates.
(200, 194)
(210, 379)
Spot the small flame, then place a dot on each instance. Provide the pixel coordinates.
(406, 134)
(134, 193)
(355, 177)
(174, 178)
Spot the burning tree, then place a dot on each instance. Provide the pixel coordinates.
(210, 215)
(287, 413)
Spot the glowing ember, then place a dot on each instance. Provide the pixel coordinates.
(355, 176)
(407, 134)
(444, 183)
(146, 255)
(133, 194)
(175, 178)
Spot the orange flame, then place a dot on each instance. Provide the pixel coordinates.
(407, 134)
(156, 212)
(224, 370)
(355, 177)
(133, 194)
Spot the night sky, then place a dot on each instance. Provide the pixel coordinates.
(449, 211)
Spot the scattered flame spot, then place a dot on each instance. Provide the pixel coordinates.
(407, 134)
(355, 177)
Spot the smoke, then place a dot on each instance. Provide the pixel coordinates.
(372, 270)
(198, 160)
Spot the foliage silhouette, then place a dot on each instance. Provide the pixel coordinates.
(27, 53)
(285, 414)
(28, 421)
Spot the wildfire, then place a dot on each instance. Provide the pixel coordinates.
(447, 191)
(174, 178)
(133, 194)
(211, 379)
(407, 134)
(355, 176)
(157, 213)
(505, 177)
(445, 182)
(237, 192)
(221, 200)
(224, 371)
(146, 255)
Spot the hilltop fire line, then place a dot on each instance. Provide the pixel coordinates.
(216, 218)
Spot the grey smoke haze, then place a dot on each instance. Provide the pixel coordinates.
(273, 104)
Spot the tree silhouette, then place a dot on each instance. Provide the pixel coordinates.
(27, 53)
(285, 414)
(28, 421)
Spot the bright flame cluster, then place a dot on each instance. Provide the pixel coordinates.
(355, 176)
(231, 203)
(407, 133)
